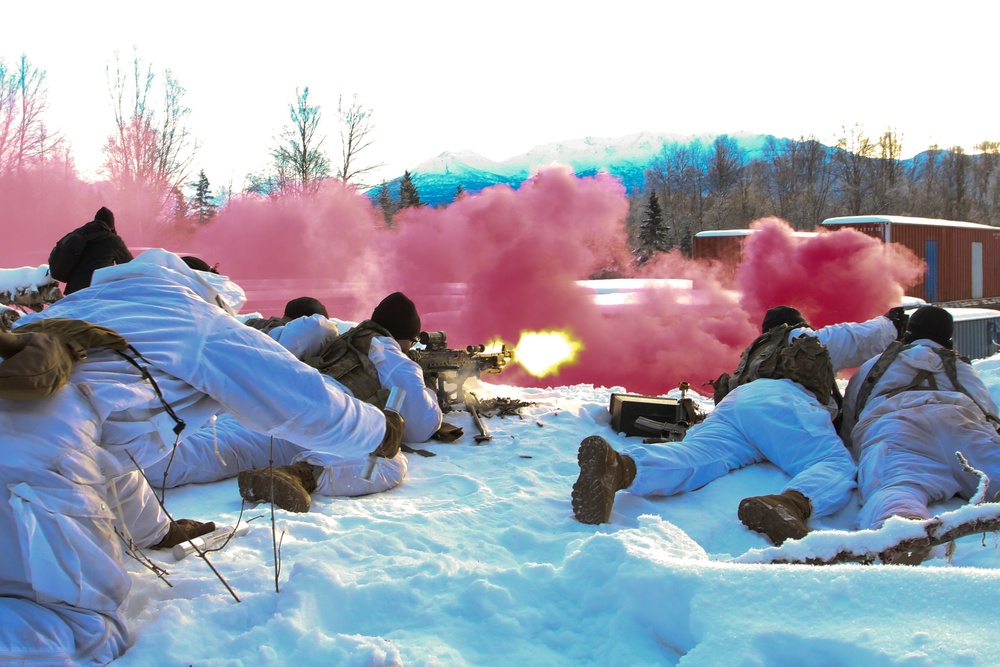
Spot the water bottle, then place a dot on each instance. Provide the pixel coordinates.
(208, 541)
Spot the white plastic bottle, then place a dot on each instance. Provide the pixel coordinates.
(208, 541)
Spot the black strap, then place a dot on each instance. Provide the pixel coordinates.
(421, 452)
(178, 422)
(875, 374)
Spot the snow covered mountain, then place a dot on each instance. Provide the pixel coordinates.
(627, 158)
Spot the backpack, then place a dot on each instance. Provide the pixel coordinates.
(803, 359)
(39, 357)
(66, 255)
(345, 359)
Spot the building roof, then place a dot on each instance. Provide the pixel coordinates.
(743, 232)
(904, 220)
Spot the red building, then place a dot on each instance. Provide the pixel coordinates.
(725, 245)
(962, 258)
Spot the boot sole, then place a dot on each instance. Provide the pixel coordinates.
(771, 521)
(592, 495)
(288, 494)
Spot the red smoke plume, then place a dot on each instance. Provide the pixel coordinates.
(841, 276)
(504, 261)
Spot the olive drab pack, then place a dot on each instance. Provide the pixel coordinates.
(39, 357)
(803, 359)
(923, 380)
(345, 359)
(266, 325)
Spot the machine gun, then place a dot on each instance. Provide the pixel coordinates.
(446, 370)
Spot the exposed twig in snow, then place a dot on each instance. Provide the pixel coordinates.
(201, 554)
(894, 540)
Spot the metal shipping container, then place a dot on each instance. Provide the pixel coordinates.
(962, 259)
(976, 331)
(726, 245)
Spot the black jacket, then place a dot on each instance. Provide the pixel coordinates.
(104, 248)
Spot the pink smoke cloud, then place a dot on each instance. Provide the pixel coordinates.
(841, 276)
(504, 261)
(320, 245)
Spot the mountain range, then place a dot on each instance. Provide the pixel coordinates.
(626, 158)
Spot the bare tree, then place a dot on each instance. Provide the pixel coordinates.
(24, 138)
(725, 171)
(145, 151)
(852, 164)
(924, 183)
(356, 129)
(678, 175)
(299, 158)
(985, 183)
(887, 171)
(800, 180)
(955, 166)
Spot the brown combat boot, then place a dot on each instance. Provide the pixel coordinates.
(779, 517)
(183, 530)
(288, 487)
(603, 472)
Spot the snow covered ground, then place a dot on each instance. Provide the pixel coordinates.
(477, 560)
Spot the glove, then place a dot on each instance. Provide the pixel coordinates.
(899, 318)
(183, 530)
(393, 439)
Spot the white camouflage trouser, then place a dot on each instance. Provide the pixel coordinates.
(764, 420)
(222, 451)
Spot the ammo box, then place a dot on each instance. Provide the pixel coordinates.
(626, 408)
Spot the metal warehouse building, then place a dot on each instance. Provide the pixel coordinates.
(725, 245)
(962, 258)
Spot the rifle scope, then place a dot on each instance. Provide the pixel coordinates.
(433, 339)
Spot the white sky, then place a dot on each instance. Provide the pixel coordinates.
(499, 79)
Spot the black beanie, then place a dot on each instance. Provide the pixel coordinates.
(105, 215)
(399, 316)
(304, 306)
(197, 264)
(782, 315)
(932, 323)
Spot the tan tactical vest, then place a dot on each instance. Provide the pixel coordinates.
(804, 360)
(345, 359)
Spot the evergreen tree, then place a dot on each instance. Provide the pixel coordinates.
(653, 232)
(202, 203)
(459, 192)
(386, 203)
(178, 205)
(408, 195)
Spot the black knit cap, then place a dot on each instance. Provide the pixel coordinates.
(782, 315)
(932, 323)
(197, 263)
(105, 215)
(304, 306)
(399, 316)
